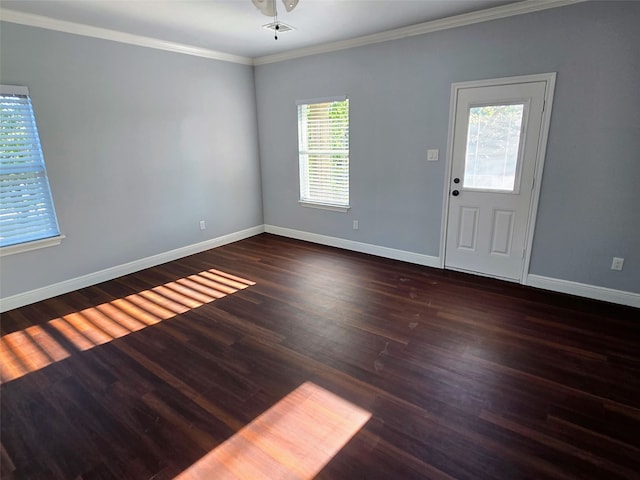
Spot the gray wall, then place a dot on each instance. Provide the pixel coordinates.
(140, 145)
(399, 98)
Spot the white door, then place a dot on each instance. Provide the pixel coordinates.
(496, 139)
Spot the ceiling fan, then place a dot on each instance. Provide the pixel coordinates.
(269, 8)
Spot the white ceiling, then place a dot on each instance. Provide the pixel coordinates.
(235, 26)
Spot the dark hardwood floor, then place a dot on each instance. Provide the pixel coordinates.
(464, 377)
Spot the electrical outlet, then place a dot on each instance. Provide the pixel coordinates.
(432, 155)
(355, 225)
(202, 225)
(617, 263)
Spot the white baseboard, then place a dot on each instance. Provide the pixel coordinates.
(583, 290)
(26, 298)
(561, 286)
(556, 285)
(386, 252)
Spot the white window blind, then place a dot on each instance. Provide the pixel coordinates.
(323, 141)
(26, 206)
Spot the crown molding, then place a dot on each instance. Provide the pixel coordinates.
(31, 20)
(520, 8)
(495, 13)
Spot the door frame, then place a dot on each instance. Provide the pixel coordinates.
(550, 80)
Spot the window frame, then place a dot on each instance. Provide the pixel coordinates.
(43, 242)
(308, 202)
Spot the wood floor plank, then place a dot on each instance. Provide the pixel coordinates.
(149, 375)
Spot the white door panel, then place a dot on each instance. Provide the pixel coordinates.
(496, 135)
(502, 235)
(468, 230)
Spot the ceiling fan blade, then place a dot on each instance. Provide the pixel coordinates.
(290, 4)
(267, 7)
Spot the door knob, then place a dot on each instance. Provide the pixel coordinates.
(455, 193)
(456, 180)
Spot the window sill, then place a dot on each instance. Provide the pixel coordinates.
(324, 206)
(28, 246)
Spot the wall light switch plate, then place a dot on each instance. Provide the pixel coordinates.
(617, 263)
(432, 155)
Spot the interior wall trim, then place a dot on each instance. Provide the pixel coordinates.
(519, 8)
(594, 292)
(538, 281)
(495, 13)
(66, 286)
(385, 252)
(32, 20)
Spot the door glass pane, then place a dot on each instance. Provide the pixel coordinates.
(493, 141)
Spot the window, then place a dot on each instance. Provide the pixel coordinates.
(493, 146)
(323, 143)
(27, 217)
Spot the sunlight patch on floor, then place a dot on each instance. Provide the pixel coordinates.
(38, 346)
(294, 439)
